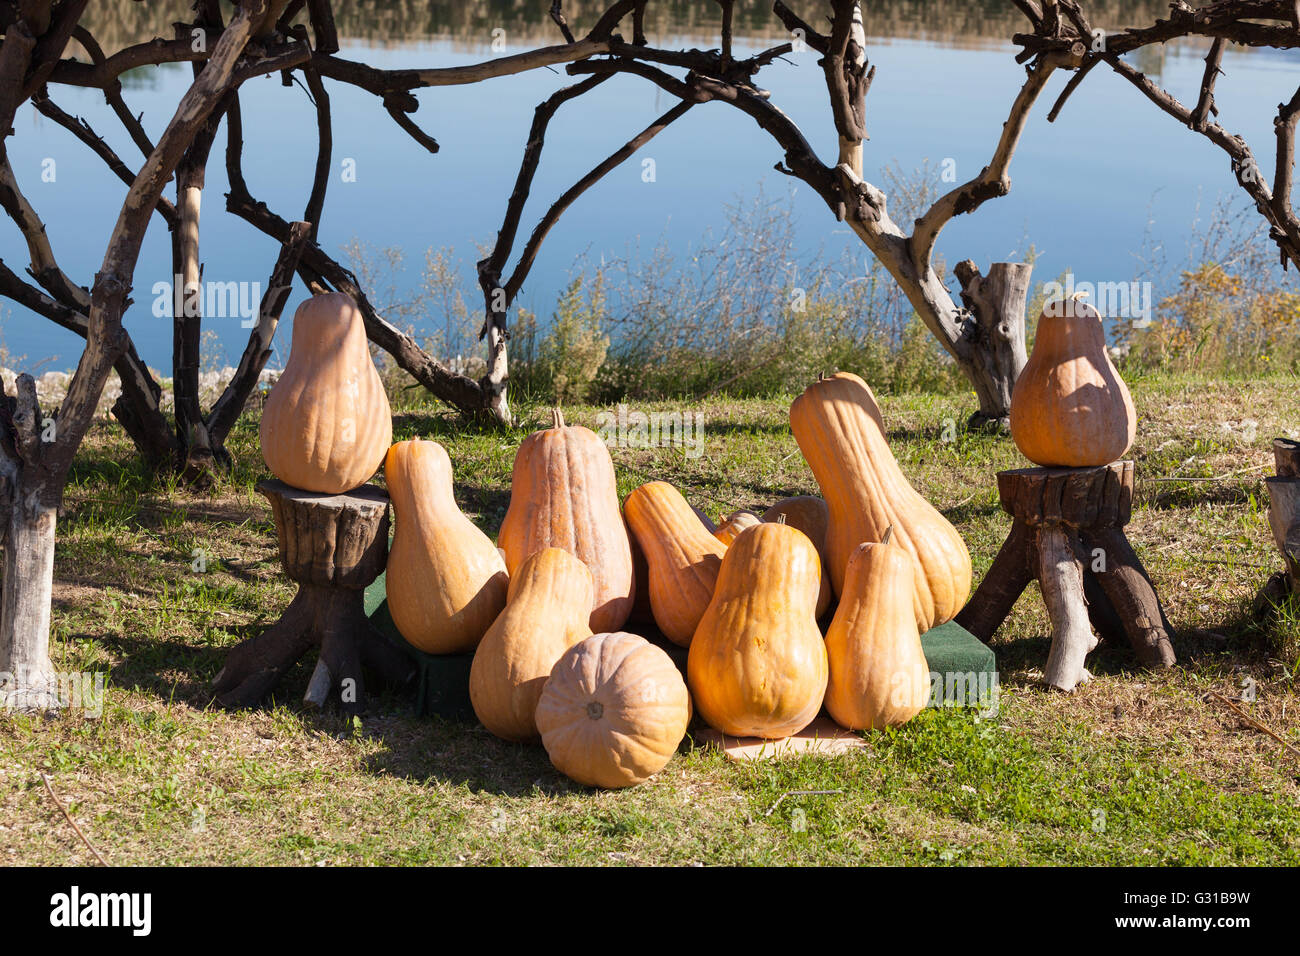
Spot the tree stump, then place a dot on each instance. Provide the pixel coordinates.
(1068, 532)
(333, 546)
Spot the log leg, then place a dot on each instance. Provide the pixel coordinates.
(1101, 613)
(1129, 589)
(1061, 579)
(340, 625)
(1007, 577)
(256, 665)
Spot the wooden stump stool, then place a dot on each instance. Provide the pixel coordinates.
(333, 546)
(1068, 532)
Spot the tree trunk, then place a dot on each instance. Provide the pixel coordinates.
(996, 336)
(27, 680)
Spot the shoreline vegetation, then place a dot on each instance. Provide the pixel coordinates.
(739, 318)
(469, 24)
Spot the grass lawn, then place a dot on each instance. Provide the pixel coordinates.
(1134, 768)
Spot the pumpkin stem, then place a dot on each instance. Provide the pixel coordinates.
(557, 418)
(595, 710)
(888, 535)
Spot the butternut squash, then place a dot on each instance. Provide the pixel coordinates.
(757, 665)
(563, 494)
(878, 673)
(327, 423)
(446, 582)
(547, 610)
(838, 426)
(682, 556)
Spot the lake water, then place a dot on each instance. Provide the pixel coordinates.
(1106, 184)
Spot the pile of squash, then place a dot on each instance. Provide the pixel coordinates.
(544, 613)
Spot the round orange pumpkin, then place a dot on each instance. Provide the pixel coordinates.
(613, 711)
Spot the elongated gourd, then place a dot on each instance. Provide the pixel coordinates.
(878, 673)
(1069, 407)
(327, 423)
(613, 711)
(682, 556)
(757, 664)
(837, 424)
(563, 494)
(445, 582)
(547, 610)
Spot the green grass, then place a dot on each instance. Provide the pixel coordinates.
(1134, 768)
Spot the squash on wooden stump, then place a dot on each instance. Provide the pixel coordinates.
(683, 557)
(446, 582)
(563, 494)
(327, 423)
(838, 426)
(878, 673)
(757, 665)
(613, 711)
(1069, 407)
(546, 613)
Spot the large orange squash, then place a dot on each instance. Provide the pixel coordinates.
(837, 424)
(546, 613)
(563, 494)
(446, 582)
(327, 424)
(878, 673)
(613, 710)
(682, 556)
(757, 665)
(1069, 407)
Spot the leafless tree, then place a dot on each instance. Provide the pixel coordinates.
(35, 454)
(985, 333)
(1060, 25)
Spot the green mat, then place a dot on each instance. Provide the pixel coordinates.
(963, 669)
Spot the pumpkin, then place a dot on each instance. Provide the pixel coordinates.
(878, 673)
(1069, 407)
(547, 610)
(837, 424)
(327, 424)
(682, 556)
(563, 494)
(641, 610)
(613, 711)
(808, 513)
(757, 665)
(733, 524)
(446, 582)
